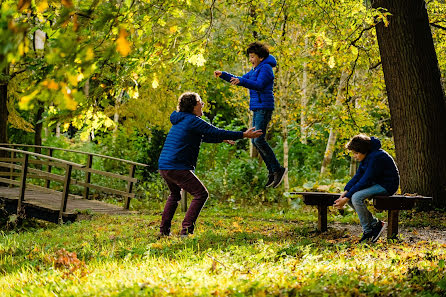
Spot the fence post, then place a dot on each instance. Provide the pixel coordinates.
(88, 175)
(129, 186)
(22, 184)
(50, 153)
(183, 200)
(11, 170)
(66, 189)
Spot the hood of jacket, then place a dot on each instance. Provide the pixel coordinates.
(178, 116)
(376, 144)
(269, 60)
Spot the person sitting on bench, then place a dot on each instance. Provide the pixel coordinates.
(377, 174)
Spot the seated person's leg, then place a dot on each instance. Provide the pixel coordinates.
(358, 200)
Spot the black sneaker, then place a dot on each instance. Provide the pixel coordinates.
(366, 237)
(377, 231)
(278, 176)
(270, 180)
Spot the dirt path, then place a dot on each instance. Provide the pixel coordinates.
(409, 234)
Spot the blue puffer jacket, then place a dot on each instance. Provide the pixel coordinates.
(180, 150)
(260, 82)
(378, 167)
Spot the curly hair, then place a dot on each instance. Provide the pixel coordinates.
(187, 101)
(360, 143)
(259, 49)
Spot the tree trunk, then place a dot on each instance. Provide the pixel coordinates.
(328, 155)
(304, 100)
(38, 128)
(58, 129)
(4, 108)
(416, 98)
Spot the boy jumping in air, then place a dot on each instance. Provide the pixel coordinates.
(260, 82)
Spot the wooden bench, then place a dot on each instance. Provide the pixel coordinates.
(393, 205)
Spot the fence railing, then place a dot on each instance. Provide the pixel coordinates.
(44, 170)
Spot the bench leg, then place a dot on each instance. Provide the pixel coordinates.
(322, 218)
(392, 227)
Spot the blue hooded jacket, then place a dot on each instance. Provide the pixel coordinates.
(378, 167)
(260, 82)
(182, 145)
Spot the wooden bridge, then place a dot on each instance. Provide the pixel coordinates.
(48, 197)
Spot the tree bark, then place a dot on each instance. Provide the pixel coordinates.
(304, 100)
(416, 97)
(38, 128)
(4, 107)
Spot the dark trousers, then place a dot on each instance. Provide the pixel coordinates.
(260, 120)
(187, 180)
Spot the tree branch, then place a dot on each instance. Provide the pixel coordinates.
(437, 26)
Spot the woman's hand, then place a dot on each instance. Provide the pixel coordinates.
(251, 133)
(231, 142)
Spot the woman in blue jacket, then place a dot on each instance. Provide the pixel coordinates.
(377, 174)
(179, 157)
(260, 82)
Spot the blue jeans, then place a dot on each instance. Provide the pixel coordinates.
(260, 120)
(357, 202)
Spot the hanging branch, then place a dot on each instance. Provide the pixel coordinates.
(437, 26)
(346, 90)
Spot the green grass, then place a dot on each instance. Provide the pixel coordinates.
(265, 250)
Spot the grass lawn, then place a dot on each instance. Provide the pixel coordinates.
(264, 250)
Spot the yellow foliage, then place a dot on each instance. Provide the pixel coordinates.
(122, 44)
(68, 99)
(42, 6)
(15, 120)
(155, 83)
(173, 29)
(25, 100)
(50, 84)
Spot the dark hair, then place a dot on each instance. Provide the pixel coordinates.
(187, 101)
(259, 49)
(360, 143)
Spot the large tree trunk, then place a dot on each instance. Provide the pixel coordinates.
(4, 108)
(416, 98)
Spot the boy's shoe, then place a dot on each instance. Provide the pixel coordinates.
(270, 180)
(377, 231)
(366, 237)
(278, 176)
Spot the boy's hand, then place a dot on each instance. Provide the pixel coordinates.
(217, 73)
(231, 142)
(251, 133)
(234, 81)
(340, 202)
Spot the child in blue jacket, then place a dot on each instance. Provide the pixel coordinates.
(260, 82)
(377, 174)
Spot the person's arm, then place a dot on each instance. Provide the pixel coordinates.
(213, 134)
(367, 178)
(265, 77)
(355, 179)
(341, 201)
(224, 75)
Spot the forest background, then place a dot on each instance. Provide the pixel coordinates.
(104, 76)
